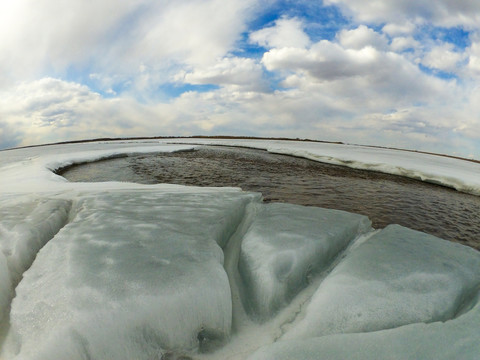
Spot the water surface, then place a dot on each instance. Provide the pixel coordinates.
(384, 198)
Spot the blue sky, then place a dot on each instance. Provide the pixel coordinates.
(399, 73)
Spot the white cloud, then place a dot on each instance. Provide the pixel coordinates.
(473, 52)
(396, 29)
(440, 12)
(285, 33)
(50, 109)
(402, 43)
(362, 37)
(357, 73)
(114, 38)
(443, 57)
(363, 86)
(231, 71)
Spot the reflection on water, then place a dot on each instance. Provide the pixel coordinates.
(385, 199)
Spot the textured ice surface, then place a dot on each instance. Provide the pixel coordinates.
(129, 271)
(397, 277)
(25, 226)
(454, 339)
(133, 275)
(285, 246)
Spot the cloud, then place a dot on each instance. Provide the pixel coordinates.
(377, 76)
(284, 33)
(242, 73)
(115, 38)
(362, 37)
(444, 58)
(362, 73)
(402, 43)
(444, 13)
(396, 29)
(49, 110)
(473, 65)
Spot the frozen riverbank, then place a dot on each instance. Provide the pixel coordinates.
(125, 271)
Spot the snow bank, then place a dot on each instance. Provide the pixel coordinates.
(285, 246)
(33, 171)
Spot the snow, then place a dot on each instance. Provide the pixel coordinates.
(32, 169)
(130, 271)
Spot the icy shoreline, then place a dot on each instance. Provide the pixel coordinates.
(461, 175)
(123, 270)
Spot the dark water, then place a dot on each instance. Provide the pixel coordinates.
(385, 199)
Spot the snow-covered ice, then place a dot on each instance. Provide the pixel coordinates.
(131, 271)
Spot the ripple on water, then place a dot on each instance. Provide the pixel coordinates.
(384, 198)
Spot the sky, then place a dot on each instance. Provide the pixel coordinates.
(399, 73)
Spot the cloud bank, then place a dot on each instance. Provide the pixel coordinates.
(393, 73)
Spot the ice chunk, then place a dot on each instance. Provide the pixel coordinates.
(397, 277)
(6, 290)
(454, 339)
(26, 225)
(134, 274)
(285, 245)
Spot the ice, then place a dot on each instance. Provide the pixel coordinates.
(25, 226)
(285, 246)
(134, 275)
(31, 170)
(128, 271)
(397, 277)
(6, 289)
(454, 339)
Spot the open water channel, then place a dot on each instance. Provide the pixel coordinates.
(384, 198)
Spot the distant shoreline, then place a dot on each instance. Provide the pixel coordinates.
(227, 137)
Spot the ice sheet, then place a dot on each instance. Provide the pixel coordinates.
(87, 294)
(285, 246)
(134, 275)
(397, 277)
